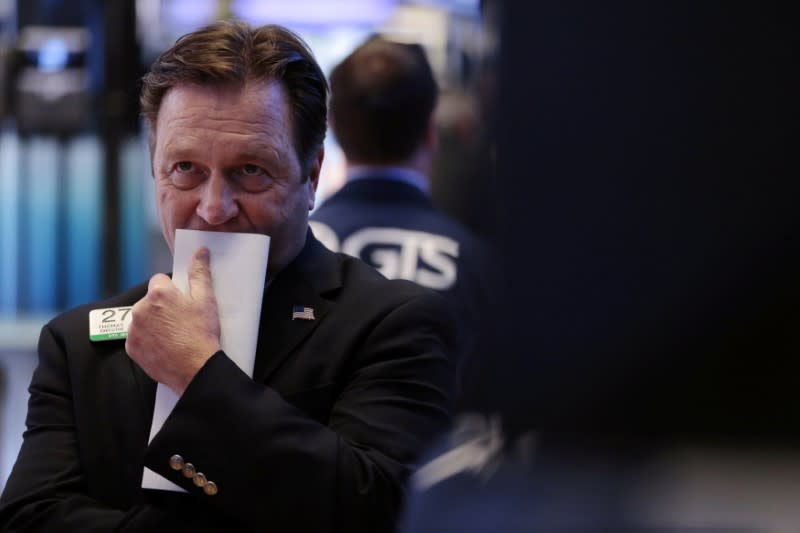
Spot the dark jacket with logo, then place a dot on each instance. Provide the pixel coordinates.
(393, 226)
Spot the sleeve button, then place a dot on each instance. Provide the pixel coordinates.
(188, 470)
(176, 462)
(199, 479)
(210, 488)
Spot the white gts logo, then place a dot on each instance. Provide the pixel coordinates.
(425, 258)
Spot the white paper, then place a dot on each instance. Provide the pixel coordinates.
(238, 264)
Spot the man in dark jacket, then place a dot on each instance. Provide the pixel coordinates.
(383, 97)
(346, 392)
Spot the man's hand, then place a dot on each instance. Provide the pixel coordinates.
(172, 335)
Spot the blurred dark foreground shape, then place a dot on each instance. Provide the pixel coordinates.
(646, 373)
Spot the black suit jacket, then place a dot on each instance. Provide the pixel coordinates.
(321, 439)
(394, 227)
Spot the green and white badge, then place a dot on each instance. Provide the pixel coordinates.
(109, 324)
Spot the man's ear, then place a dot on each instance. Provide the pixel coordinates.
(313, 176)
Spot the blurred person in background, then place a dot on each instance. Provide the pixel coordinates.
(383, 97)
(346, 393)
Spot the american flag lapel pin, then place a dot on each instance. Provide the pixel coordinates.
(301, 312)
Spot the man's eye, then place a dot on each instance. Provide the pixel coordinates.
(186, 175)
(252, 178)
(251, 170)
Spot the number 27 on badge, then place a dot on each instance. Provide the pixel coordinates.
(109, 324)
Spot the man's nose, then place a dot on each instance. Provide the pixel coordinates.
(218, 202)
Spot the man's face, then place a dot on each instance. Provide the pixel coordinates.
(224, 160)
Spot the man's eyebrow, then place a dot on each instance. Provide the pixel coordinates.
(259, 152)
(254, 151)
(253, 154)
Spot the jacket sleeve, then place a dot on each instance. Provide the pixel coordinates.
(47, 489)
(272, 464)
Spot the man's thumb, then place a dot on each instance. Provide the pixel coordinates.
(200, 275)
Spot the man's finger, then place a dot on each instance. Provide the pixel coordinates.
(158, 281)
(200, 275)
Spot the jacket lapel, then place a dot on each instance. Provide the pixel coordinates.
(314, 274)
(145, 385)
